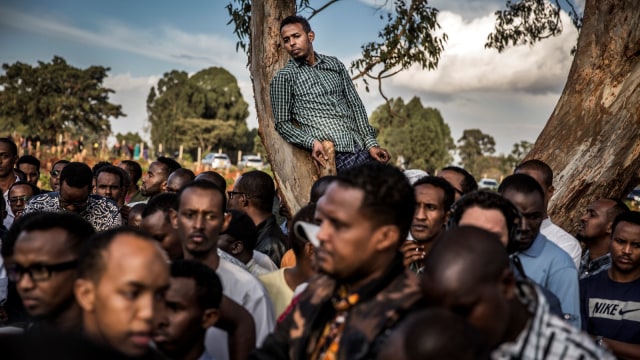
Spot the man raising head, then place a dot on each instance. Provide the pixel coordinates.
(154, 180)
(461, 180)
(595, 231)
(122, 278)
(468, 272)
(54, 174)
(363, 217)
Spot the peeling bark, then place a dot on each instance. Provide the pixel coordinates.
(592, 139)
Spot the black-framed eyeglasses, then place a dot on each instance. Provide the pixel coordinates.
(38, 272)
(14, 200)
(234, 193)
(54, 173)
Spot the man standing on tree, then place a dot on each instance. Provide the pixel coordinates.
(313, 99)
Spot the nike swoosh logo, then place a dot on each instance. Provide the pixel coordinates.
(622, 312)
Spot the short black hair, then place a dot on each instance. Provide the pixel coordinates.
(487, 199)
(618, 208)
(469, 183)
(112, 169)
(319, 187)
(28, 159)
(632, 217)
(295, 19)
(259, 187)
(170, 164)
(449, 191)
(538, 165)
(521, 183)
(34, 188)
(61, 161)
(306, 213)
(92, 264)
(99, 165)
(213, 177)
(135, 169)
(12, 145)
(204, 185)
(77, 175)
(78, 230)
(208, 284)
(161, 202)
(389, 198)
(242, 228)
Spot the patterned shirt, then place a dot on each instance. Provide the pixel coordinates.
(319, 102)
(546, 336)
(101, 212)
(590, 267)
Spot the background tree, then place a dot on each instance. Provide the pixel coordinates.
(418, 134)
(55, 97)
(206, 110)
(472, 146)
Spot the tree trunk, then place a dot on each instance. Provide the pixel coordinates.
(591, 140)
(292, 167)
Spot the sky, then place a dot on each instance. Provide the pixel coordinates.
(509, 96)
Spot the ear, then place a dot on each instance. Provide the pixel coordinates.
(609, 225)
(225, 223)
(163, 186)
(551, 191)
(386, 236)
(507, 284)
(173, 217)
(237, 247)
(210, 317)
(311, 35)
(308, 250)
(447, 216)
(84, 291)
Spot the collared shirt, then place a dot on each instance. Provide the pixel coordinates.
(101, 212)
(551, 267)
(320, 102)
(590, 267)
(563, 239)
(546, 336)
(8, 220)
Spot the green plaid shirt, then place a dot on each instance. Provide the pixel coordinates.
(324, 104)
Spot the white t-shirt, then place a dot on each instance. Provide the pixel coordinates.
(245, 289)
(563, 239)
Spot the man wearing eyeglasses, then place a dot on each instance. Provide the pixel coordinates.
(76, 181)
(44, 265)
(19, 194)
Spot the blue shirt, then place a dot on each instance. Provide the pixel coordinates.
(548, 265)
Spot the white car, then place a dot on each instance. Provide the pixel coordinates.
(217, 161)
(255, 162)
(491, 184)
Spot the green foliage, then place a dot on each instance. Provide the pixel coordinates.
(416, 133)
(205, 110)
(472, 146)
(529, 21)
(56, 97)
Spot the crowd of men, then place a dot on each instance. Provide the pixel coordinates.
(380, 264)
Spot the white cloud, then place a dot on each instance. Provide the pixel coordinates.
(466, 65)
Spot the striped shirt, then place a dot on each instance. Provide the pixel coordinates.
(546, 336)
(319, 102)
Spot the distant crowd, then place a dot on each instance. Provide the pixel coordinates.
(110, 262)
